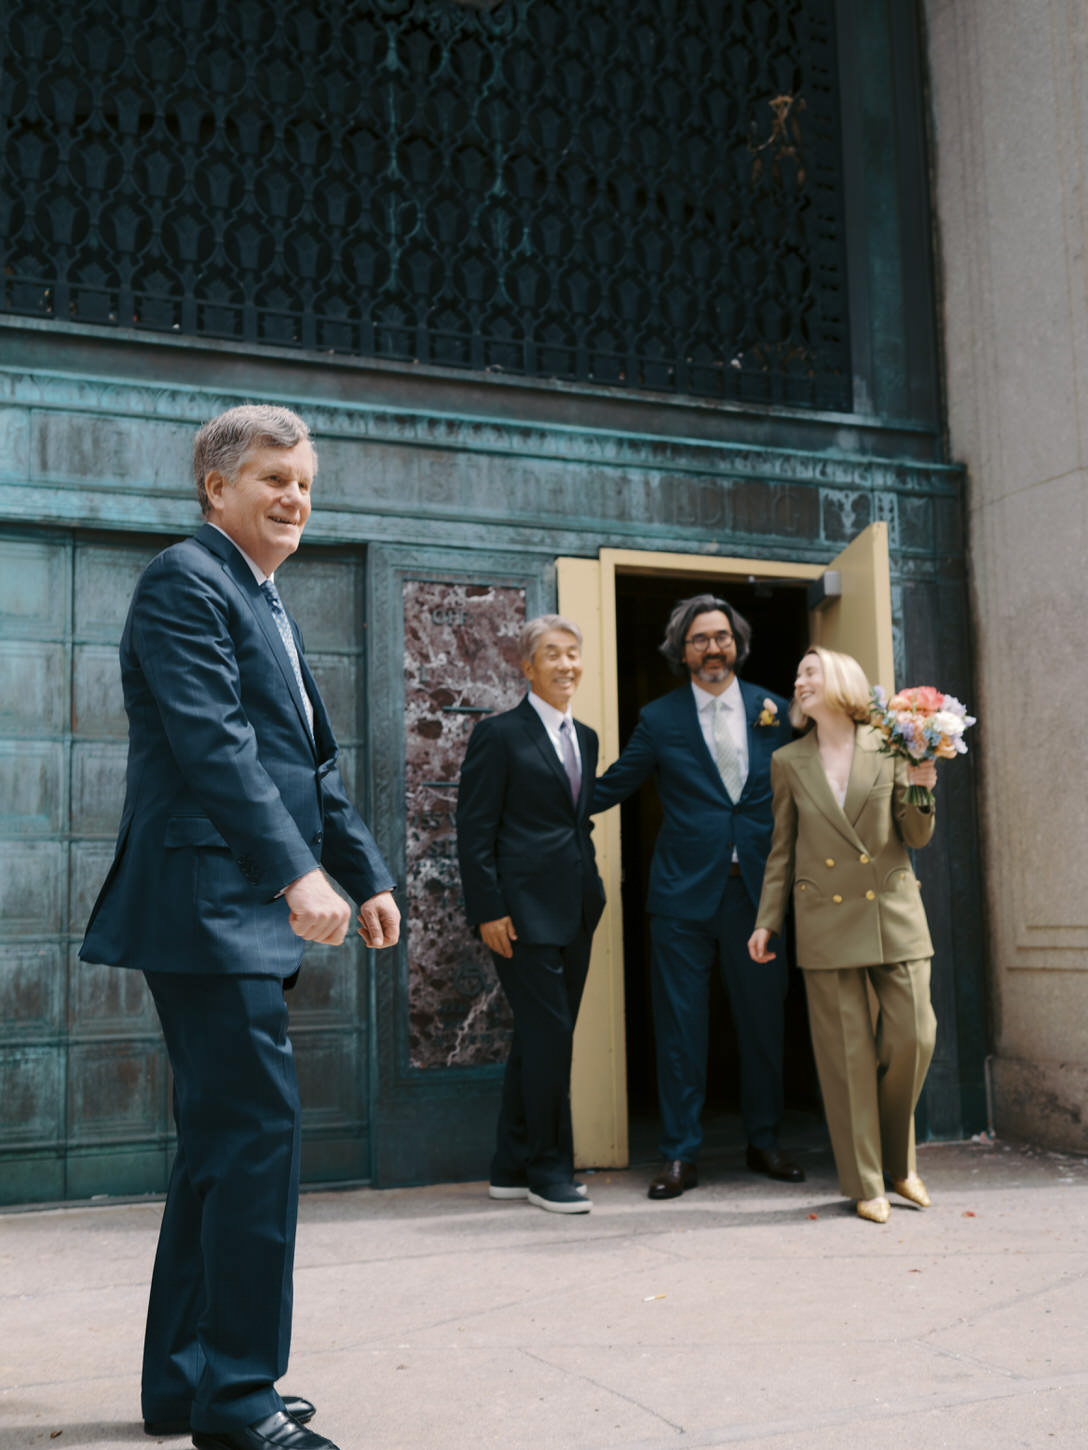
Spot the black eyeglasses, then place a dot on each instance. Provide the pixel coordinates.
(702, 642)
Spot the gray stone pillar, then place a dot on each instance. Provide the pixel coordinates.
(1010, 106)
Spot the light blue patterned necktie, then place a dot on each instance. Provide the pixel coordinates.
(279, 614)
(725, 752)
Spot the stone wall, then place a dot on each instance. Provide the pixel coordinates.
(1010, 107)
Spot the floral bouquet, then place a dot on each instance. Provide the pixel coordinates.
(920, 724)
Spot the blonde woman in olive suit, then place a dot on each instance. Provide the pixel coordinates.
(842, 827)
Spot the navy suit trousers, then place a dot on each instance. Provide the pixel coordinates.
(683, 957)
(219, 1316)
(544, 985)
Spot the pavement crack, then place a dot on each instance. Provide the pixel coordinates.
(605, 1389)
(1002, 1305)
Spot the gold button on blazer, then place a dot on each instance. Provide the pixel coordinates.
(856, 898)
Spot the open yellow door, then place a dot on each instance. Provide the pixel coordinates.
(858, 621)
(598, 1082)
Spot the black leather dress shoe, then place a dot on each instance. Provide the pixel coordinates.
(275, 1432)
(299, 1409)
(673, 1179)
(774, 1164)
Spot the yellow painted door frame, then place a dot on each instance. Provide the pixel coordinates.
(858, 621)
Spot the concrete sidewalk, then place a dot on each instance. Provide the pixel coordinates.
(746, 1313)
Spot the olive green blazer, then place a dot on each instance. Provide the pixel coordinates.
(856, 898)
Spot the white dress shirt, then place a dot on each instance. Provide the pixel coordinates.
(260, 576)
(551, 719)
(733, 701)
(734, 719)
(257, 571)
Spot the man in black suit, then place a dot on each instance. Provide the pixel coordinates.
(234, 810)
(531, 887)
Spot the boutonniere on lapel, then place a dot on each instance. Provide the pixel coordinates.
(769, 714)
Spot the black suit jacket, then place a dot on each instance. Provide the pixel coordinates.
(228, 797)
(523, 844)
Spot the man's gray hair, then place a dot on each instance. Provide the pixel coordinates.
(534, 630)
(222, 444)
(680, 621)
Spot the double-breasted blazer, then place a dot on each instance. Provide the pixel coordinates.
(228, 797)
(856, 899)
(702, 823)
(523, 844)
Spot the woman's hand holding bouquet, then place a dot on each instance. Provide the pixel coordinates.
(920, 725)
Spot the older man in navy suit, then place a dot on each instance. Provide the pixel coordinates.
(234, 810)
(708, 745)
(532, 889)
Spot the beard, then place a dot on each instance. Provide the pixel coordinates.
(712, 667)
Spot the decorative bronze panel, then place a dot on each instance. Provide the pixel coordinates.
(646, 195)
(82, 1071)
(460, 663)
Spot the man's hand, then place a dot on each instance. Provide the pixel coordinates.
(757, 946)
(499, 936)
(317, 913)
(379, 920)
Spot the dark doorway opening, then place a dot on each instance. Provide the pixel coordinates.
(779, 618)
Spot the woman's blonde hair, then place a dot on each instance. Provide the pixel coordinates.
(845, 687)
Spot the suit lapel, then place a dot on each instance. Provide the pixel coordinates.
(324, 739)
(810, 772)
(539, 736)
(753, 704)
(587, 750)
(243, 577)
(864, 769)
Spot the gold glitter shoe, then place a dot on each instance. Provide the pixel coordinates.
(911, 1188)
(876, 1210)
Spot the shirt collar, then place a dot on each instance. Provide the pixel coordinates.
(257, 571)
(551, 717)
(731, 696)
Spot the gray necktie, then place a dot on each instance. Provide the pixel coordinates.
(279, 614)
(570, 760)
(725, 752)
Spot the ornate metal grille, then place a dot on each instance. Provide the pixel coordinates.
(644, 193)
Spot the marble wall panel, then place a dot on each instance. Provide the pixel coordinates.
(460, 663)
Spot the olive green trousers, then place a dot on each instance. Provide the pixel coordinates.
(871, 1071)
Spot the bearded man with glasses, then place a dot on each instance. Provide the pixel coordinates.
(708, 745)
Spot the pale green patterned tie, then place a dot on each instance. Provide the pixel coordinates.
(725, 752)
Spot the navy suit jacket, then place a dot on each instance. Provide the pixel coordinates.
(228, 799)
(702, 824)
(523, 844)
